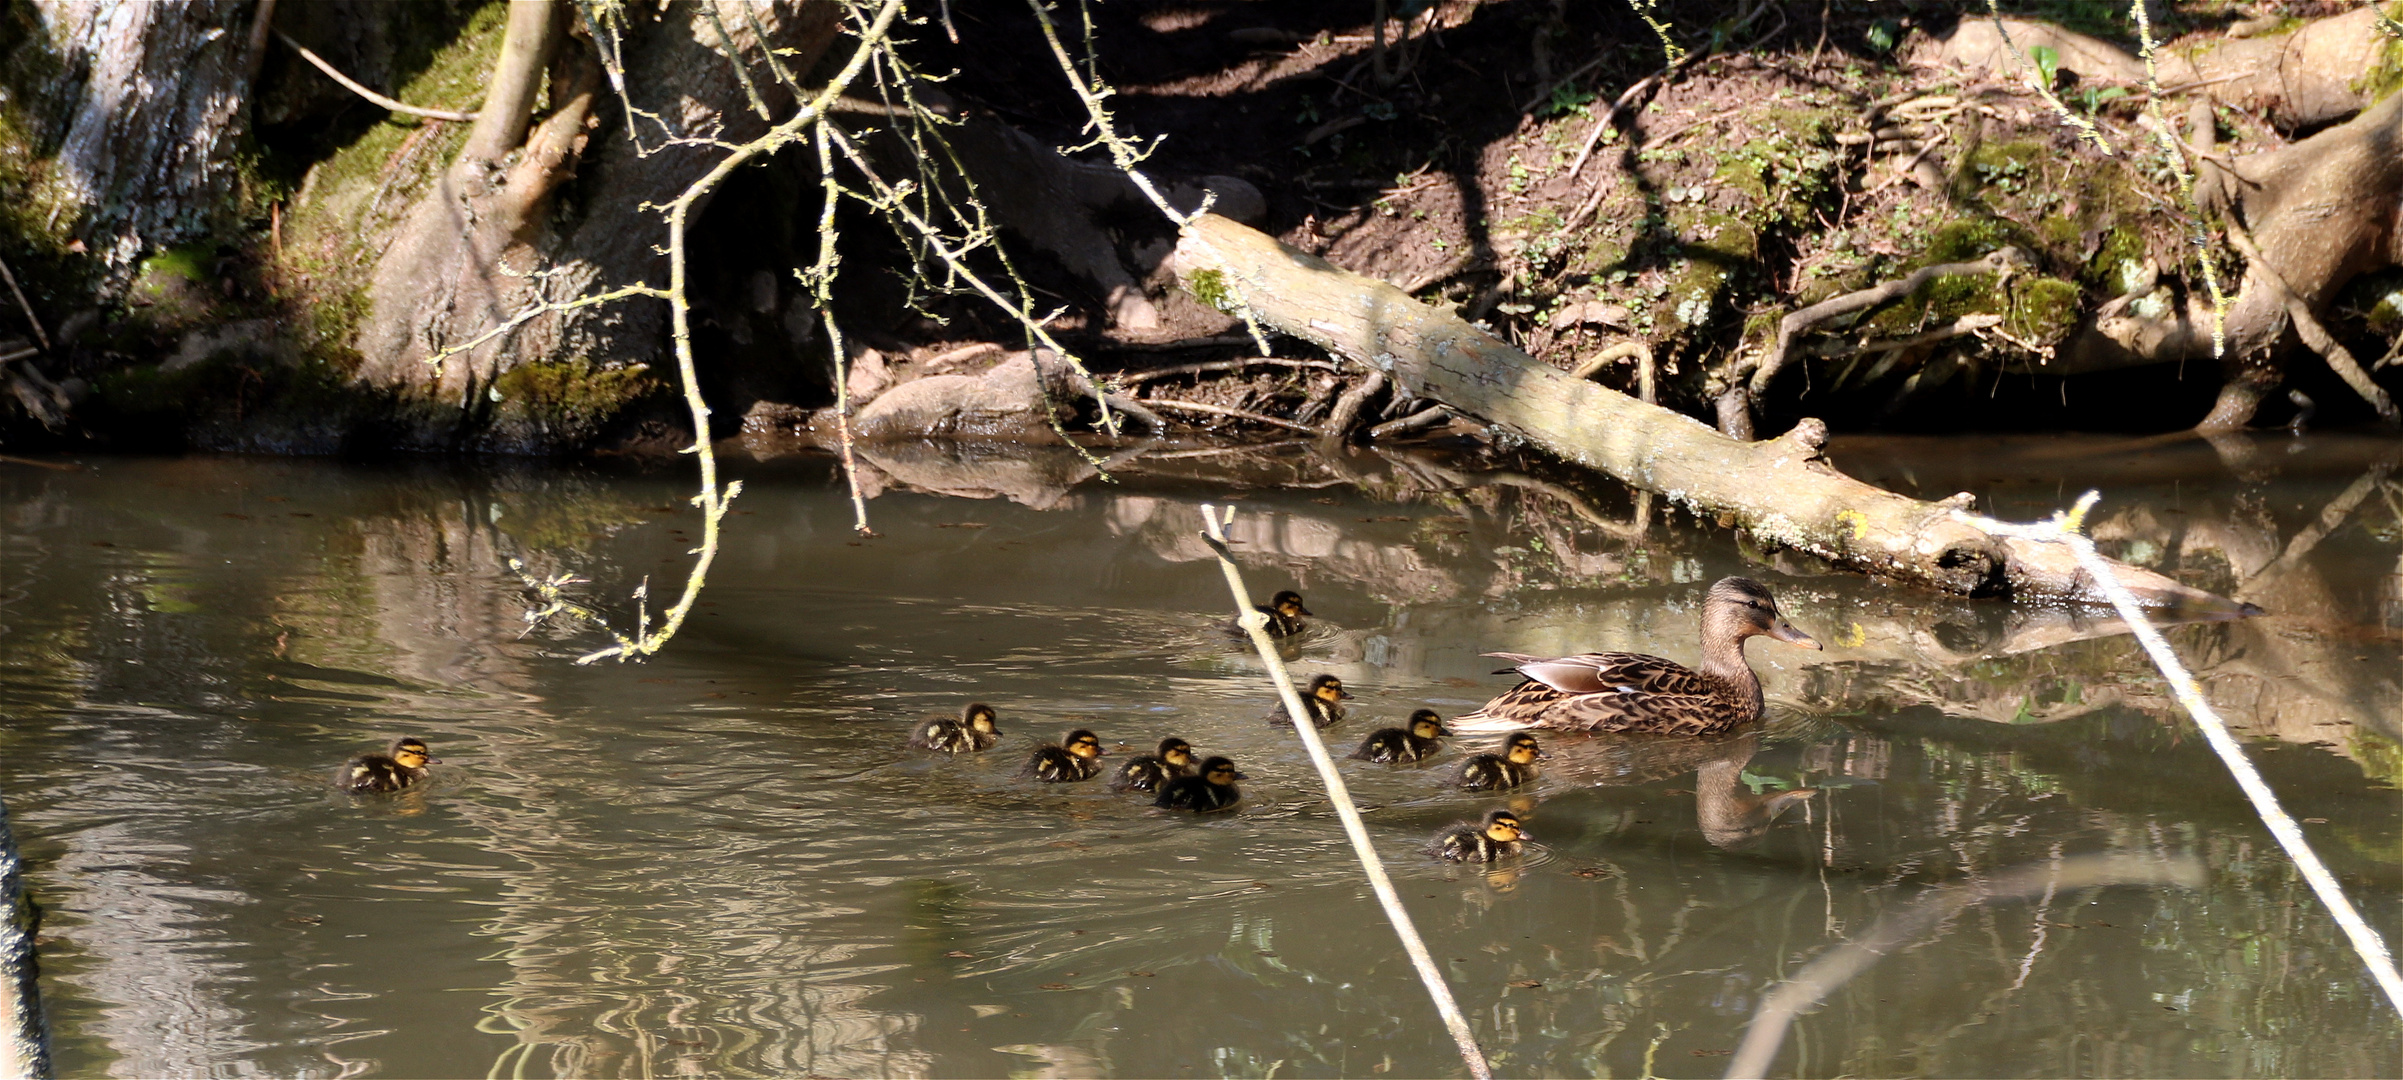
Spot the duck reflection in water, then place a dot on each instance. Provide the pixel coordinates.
(1730, 815)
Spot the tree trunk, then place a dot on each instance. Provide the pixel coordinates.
(139, 106)
(1781, 490)
(488, 241)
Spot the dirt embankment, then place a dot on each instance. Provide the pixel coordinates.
(1706, 234)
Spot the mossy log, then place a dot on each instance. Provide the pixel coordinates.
(1783, 491)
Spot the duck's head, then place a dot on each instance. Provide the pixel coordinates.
(980, 716)
(1329, 689)
(1176, 752)
(1521, 749)
(1221, 771)
(1082, 743)
(411, 753)
(1739, 608)
(1502, 827)
(1426, 724)
(1288, 604)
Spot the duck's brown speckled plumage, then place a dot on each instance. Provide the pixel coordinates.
(1638, 693)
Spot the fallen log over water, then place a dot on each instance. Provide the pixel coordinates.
(1782, 490)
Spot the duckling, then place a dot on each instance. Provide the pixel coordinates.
(1214, 789)
(1324, 699)
(403, 766)
(975, 730)
(1396, 745)
(1497, 838)
(1285, 614)
(1148, 772)
(1635, 692)
(1515, 765)
(1068, 762)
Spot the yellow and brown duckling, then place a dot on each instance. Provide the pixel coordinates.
(1395, 745)
(1150, 771)
(1076, 758)
(1635, 692)
(1515, 765)
(1497, 837)
(1285, 614)
(975, 729)
(404, 765)
(1214, 789)
(1324, 699)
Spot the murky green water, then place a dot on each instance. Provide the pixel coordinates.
(723, 862)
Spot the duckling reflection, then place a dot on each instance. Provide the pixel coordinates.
(1497, 837)
(1393, 745)
(1324, 699)
(974, 730)
(1214, 789)
(1148, 772)
(1075, 759)
(404, 765)
(1514, 766)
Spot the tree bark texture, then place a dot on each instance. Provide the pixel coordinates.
(1781, 490)
(143, 104)
(491, 240)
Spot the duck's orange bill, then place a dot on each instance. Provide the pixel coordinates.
(1784, 631)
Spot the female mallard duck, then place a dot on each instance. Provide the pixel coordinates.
(1324, 699)
(1395, 745)
(1148, 772)
(1495, 838)
(405, 765)
(1214, 789)
(1515, 765)
(1635, 692)
(973, 731)
(1068, 762)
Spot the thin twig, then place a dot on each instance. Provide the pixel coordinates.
(1139, 377)
(354, 86)
(821, 281)
(1174, 405)
(1256, 625)
(713, 500)
(30, 318)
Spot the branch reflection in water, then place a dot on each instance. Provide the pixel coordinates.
(725, 860)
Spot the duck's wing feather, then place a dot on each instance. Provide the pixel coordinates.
(1612, 672)
(1601, 692)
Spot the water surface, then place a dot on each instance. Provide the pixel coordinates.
(723, 861)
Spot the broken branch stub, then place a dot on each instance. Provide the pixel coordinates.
(1782, 491)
